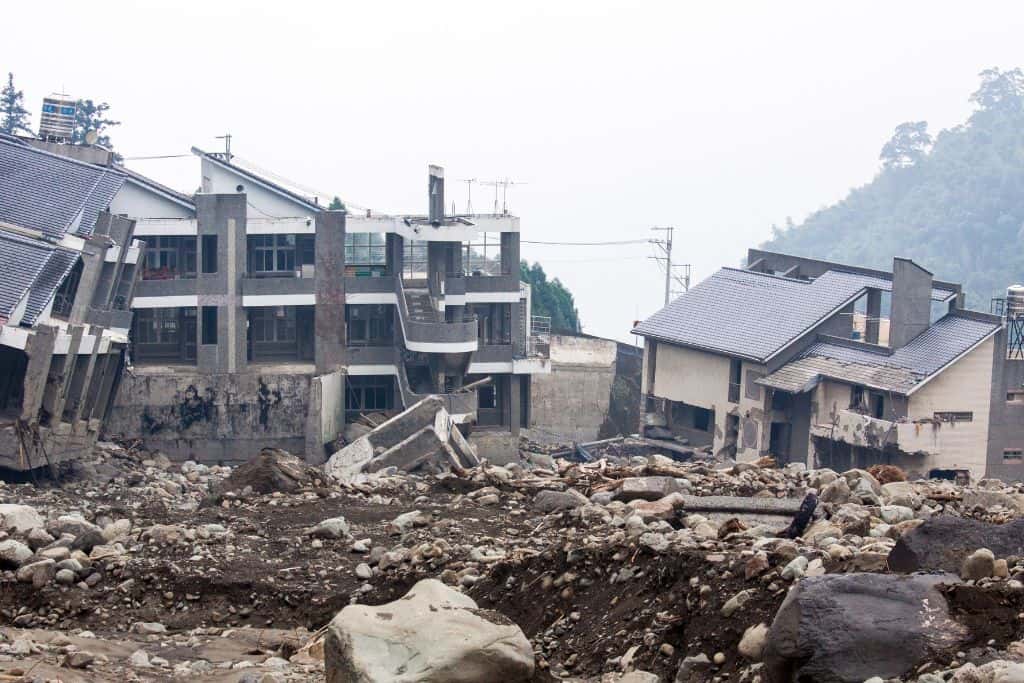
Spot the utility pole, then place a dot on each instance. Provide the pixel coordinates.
(227, 146)
(666, 248)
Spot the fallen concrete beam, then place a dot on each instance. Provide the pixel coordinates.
(784, 507)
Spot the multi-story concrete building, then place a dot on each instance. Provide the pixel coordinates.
(796, 358)
(69, 268)
(264, 319)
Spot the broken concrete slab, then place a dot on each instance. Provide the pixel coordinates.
(423, 432)
(646, 488)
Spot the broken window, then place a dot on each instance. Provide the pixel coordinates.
(64, 298)
(954, 416)
(368, 393)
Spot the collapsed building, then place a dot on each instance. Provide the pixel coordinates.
(69, 268)
(263, 319)
(796, 358)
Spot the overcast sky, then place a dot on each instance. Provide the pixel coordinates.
(719, 118)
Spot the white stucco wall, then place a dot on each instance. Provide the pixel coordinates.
(137, 202)
(263, 203)
(964, 386)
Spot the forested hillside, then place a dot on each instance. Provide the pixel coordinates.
(954, 203)
(550, 298)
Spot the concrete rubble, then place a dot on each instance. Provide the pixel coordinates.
(134, 567)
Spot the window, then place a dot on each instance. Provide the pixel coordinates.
(954, 416)
(735, 377)
(414, 259)
(488, 398)
(209, 253)
(64, 298)
(857, 398)
(368, 393)
(369, 324)
(170, 258)
(209, 324)
(1013, 455)
(494, 322)
(365, 249)
(272, 324)
(482, 256)
(272, 254)
(156, 326)
(1015, 396)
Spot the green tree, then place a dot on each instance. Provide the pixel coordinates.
(958, 209)
(550, 298)
(92, 116)
(14, 118)
(909, 144)
(336, 205)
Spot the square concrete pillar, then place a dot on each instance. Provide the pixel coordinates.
(330, 291)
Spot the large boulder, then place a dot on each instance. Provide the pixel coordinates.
(942, 543)
(553, 501)
(646, 488)
(841, 628)
(990, 499)
(432, 634)
(20, 518)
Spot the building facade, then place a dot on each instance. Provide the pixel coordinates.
(838, 366)
(69, 271)
(262, 318)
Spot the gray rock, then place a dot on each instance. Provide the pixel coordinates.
(76, 525)
(694, 669)
(432, 634)
(837, 491)
(942, 543)
(37, 573)
(333, 528)
(13, 553)
(646, 488)
(894, 514)
(752, 644)
(65, 577)
(20, 518)
(553, 501)
(841, 628)
(901, 493)
(406, 521)
(981, 564)
(363, 571)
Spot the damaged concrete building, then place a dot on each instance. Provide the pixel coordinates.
(838, 366)
(263, 319)
(69, 270)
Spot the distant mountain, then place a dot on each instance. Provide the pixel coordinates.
(955, 203)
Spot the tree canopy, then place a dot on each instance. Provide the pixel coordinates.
(90, 115)
(14, 118)
(955, 205)
(550, 298)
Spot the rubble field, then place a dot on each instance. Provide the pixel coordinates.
(629, 567)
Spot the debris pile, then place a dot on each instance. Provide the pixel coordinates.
(631, 568)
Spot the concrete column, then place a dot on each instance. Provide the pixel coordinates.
(100, 384)
(223, 215)
(395, 247)
(92, 268)
(330, 291)
(874, 312)
(39, 349)
(81, 386)
(510, 253)
(514, 399)
(56, 409)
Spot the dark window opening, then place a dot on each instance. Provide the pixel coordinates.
(954, 416)
(13, 363)
(209, 253)
(494, 322)
(364, 394)
(369, 324)
(209, 324)
(164, 334)
(735, 378)
(64, 299)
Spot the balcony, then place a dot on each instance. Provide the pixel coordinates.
(424, 331)
(857, 429)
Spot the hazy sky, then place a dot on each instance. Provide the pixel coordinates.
(719, 118)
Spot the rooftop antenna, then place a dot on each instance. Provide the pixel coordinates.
(227, 145)
(504, 185)
(469, 194)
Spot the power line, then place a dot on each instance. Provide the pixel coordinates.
(587, 244)
(159, 156)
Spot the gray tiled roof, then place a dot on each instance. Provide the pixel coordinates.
(884, 284)
(51, 193)
(899, 371)
(21, 262)
(748, 314)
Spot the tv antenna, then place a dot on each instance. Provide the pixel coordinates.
(503, 185)
(469, 194)
(227, 146)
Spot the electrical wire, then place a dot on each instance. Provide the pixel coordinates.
(158, 156)
(587, 244)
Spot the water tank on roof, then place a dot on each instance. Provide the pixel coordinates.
(1015, 301)
(57, 120)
